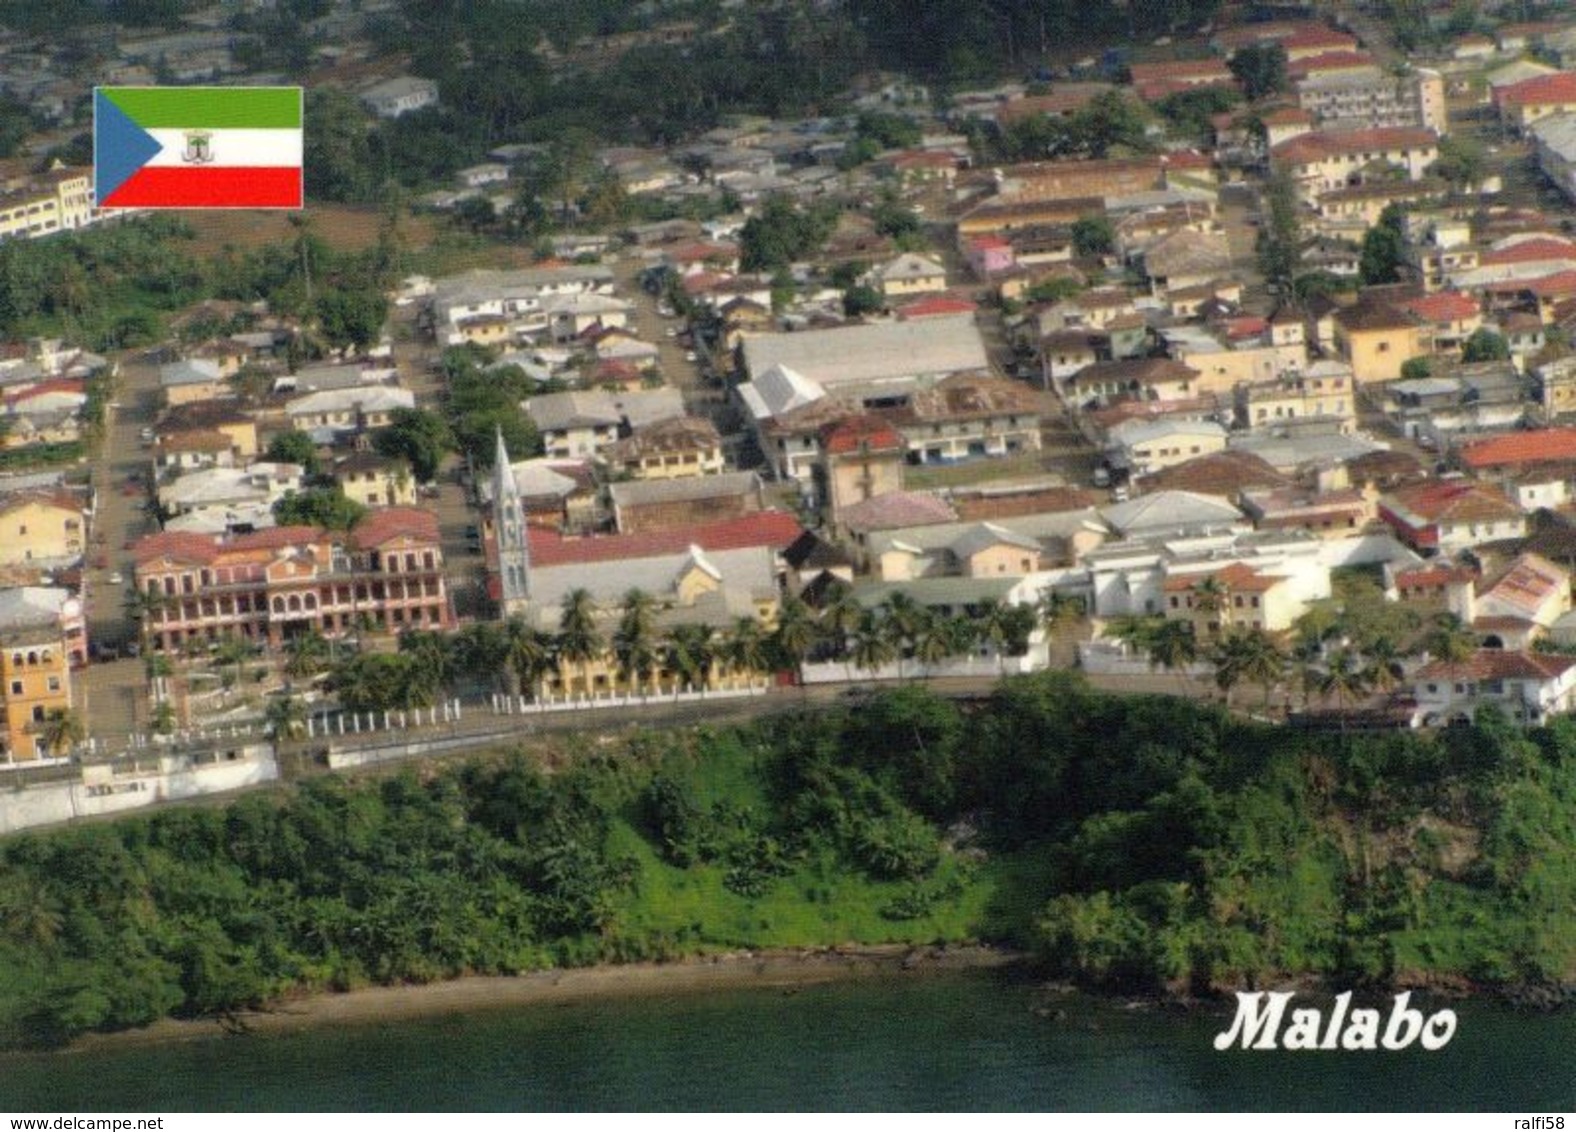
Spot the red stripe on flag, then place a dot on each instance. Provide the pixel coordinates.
(230, 186)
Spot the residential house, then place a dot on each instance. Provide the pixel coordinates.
(1185, 258)
(909, 274)
(1528, 687)
(1143, 447)
(989, 256)
(965, 417)
(395, 97)
(668, 449)
(1520, 605)
(1145, 379)
(1376, 340)
(219, 499)
(376, 481)
(861, 457)
(195, 379)
(646, 506)
(1332, 514)
(1224, 360)
(1452, 317)
(36, 656)
(1521, 104)
(1324, 391)
(1449, 516)
(1335, 159)
(45, 528)
(582, 423)
(1557, 386)
(271, 585)
(336, 412)
(1234, 597)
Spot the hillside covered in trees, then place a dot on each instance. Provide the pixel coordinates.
(1141, 844)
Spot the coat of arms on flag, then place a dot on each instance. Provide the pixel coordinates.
(197, 147)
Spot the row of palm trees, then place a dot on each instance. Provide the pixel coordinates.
(515, 657)
(1323, 661)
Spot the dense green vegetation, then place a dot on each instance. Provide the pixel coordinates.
(112, 287)
(1137, 843)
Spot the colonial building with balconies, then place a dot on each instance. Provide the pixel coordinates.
(271, 585)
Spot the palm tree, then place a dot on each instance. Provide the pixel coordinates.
(234, 651)
(306, 655)
(1137, 634)
(483, 649)
(688, 652)
(990, 621)
(1450, 641)
(1344, 680)
(578, 639)
(635, 639)
(795, 634)
(1384, 671)
(433, 657)
(1209, 598)
(528, 654)
(1263, 661)
(286, 718)
(872, 644)
(61, 731)
(1173, 646)
(934, 641)
(746, 647)
(901, 616)
(1058, 609)
(840, 619)
(1229, 657)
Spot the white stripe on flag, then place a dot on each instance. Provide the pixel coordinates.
(232, 147)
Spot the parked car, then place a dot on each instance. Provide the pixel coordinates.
(116, 579)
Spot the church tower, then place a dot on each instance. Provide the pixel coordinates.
(514, 555)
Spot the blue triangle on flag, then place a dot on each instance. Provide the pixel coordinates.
(120, 147)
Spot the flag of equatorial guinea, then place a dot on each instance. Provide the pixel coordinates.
(197, 147)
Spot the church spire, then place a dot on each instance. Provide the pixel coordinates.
(514, 553)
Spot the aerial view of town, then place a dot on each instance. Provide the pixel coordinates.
(986, 531)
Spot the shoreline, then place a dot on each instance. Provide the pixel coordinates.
(786, 970)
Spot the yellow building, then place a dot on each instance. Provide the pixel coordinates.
(58, 201)
(1235, 597)
(35, 679)
(1376, 340)
(376, 481)
(41, 527)
(670, 449)
(1325, 390)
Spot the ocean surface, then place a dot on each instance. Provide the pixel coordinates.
(970, 1041)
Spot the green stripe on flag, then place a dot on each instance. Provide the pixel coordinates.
(210, 107)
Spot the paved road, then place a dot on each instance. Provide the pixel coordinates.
(111, 696)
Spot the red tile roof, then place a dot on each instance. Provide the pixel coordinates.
(383, 525)
(867, 430)
(50, 385)
(936, 307)
(1454, 501)
(1443, 306)
(776, 529)
(1558, 89)
(1530, 251)
(1495, 664)
(1539, 446)
(1212, 67)
(1317, 35)
(1330, 61)
(1322, 144)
